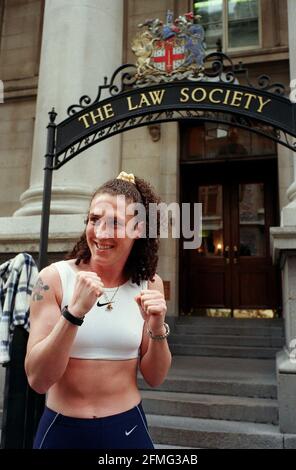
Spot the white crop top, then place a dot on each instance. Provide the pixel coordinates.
(106, 334)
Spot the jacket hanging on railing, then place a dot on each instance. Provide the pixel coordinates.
(18, 276)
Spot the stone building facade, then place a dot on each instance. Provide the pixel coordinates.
(54, 51)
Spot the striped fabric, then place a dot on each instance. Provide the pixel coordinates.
(18, 276)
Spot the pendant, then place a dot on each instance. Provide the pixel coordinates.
(109, 307)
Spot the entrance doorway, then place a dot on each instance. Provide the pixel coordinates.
(231, 274)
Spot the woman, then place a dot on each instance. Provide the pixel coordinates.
(94, 319)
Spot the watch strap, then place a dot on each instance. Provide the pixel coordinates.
(159, 337)
(71, 318)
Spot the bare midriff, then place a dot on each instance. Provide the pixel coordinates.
(95, 388)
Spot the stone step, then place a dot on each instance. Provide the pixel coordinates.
(167, 446)
(238, 322)
(257, 410)
(233, 340)
(218, 386)
(223, 351)
(213, 434)
(228, 330)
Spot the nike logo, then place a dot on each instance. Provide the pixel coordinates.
(127, 433)
(102, 305)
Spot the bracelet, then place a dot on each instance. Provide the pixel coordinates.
(159, 337)
(71, 318)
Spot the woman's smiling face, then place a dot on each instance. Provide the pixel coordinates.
(106, 230)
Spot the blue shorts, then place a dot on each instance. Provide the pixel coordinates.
(127, 430)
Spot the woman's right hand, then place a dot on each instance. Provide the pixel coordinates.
(88, 288)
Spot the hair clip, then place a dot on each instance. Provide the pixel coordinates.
(126, 177)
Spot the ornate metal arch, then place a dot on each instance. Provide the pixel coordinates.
(219, 70)
(276, 120)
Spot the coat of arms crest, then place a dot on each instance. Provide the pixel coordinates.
(169, 51)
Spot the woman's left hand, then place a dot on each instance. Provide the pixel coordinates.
(153, 308)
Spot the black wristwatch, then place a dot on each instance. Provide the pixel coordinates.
(71, 318)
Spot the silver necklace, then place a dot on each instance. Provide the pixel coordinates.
(110, 301)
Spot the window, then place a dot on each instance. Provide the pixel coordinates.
(1, 19)
(1, 15)
(211, 141)
(234, 24)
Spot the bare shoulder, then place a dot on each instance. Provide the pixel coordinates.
(44, 305)
(156, 283)
(47, 284)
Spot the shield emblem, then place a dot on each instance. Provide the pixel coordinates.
(169, 55)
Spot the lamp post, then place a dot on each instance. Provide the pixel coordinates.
(49, 159)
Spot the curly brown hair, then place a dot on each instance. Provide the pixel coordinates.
(142, 261)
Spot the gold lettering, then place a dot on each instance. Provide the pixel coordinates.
(262, 103)
(84, 119)
(156, 96)
(108, 110)
(144, 100)
(226, 97)
(184, 95)
(249, 99)
(97, 116)
(130, 104)
(237, 98)
(203, 97)
(211, 95)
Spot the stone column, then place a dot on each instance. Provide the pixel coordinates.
(283, 241)
(81, 43)
(289, 212)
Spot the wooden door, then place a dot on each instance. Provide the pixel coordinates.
(232, 271)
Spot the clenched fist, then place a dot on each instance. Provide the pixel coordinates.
(153, 308)
(88, 287)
